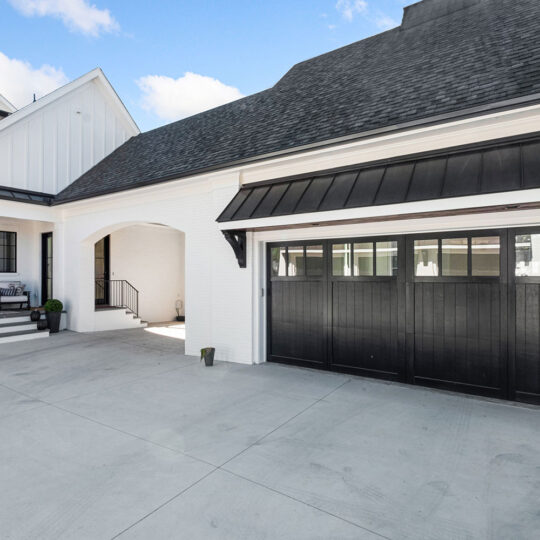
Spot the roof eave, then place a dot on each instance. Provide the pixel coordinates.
(480, 110)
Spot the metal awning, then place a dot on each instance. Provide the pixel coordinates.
(473, 170)
(21, 195)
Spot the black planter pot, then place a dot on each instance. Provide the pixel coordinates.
(35, 315)
(42, 324)
(208, 355)
(53, 321)
(180, 318)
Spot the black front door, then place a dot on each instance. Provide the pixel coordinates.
(101, 271)
(46, 267)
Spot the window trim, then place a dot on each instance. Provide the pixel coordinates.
(14, 271)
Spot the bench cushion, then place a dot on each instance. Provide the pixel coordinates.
(14, 299)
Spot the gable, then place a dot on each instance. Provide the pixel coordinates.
(47, 145)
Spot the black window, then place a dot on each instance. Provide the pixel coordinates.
(8, 251)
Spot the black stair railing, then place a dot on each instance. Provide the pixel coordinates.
(118, 293)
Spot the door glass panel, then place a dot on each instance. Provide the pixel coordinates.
(426, 257)
(314, 260)
(486, 256)
(363, 259)
(387, 258)
(454, 257)
(341, 259)
(528, 255)
(279, 261)
(296, 261)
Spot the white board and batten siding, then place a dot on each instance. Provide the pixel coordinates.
(50, 143)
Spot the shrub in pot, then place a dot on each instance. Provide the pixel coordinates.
(53, 310)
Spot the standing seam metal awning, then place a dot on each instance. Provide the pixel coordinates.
(498, 167)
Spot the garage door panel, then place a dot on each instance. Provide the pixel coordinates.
(527, 366)
(297, 320)
(457, 336)
(364, 328)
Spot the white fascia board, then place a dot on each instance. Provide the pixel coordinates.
(6, 105)
(509, 198)
(23, 210)
(96, 73)
(418, 225)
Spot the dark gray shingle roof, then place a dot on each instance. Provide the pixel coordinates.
(485, 53)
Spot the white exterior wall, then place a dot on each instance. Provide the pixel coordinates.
(224, 304)
(52, 146)
(151, 258)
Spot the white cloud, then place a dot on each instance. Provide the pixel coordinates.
(350, 8)
(172, 99)
(19, 80)
(384, 22)
(77, 15)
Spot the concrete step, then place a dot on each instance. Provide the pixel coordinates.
(13, 319)
(23, 335)
(17, 326)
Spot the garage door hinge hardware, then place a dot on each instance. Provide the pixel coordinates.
(237, 240)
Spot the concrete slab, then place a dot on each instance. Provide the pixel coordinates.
(409, 463)
(70, 364)
(96, 429)
(12, 402)
(209, 413)
(225, 507)
(65, 477)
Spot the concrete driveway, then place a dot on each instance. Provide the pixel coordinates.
(119, 435)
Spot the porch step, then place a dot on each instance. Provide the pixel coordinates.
(23, 335)
(16, 326)
(14, 319)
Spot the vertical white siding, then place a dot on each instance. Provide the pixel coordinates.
(49, 149)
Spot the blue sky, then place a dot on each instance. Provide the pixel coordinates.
(145, 48)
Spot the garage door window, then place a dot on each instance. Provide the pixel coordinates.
(485, 253)
(426, 257)
(528, 255)
(387, 258)
(363, 259)
(279, 261)
(449, 257)
(314, 260)
(341, 259)
(455, 254)
(296, 261)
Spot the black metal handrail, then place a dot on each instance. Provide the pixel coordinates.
(117, 293)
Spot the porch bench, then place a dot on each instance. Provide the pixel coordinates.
(20, 299)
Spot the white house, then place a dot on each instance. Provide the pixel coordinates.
(377, 211)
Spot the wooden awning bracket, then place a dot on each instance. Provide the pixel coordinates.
(237, 240)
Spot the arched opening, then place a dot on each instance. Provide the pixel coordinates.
(139, 278)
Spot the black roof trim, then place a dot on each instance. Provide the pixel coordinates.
(23, 195)
(501, 165)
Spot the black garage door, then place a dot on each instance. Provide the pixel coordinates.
(459, 311)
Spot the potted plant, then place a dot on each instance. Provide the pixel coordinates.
(208, 354)
(53, 311)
